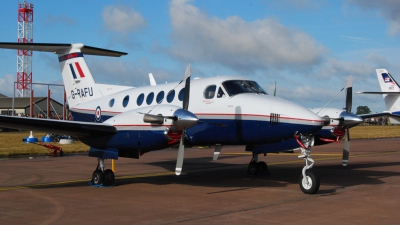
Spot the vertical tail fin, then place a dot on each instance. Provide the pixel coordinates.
(388, 85)
(386, 81)
(78, 80)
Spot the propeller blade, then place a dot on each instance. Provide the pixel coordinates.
(185, 119)
(187, 89)
(346, 148)
(349, 99)
(349, 93)
(181, 151)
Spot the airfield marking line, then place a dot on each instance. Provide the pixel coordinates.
(145, 175)
(42, 185)
(172, 173)
(282, 154)
(80, 181)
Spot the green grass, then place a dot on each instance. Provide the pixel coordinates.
(11, 142)
(368, 132)
(11, 145)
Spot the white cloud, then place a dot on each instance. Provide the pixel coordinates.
(389, 9)
(298, 4)
(334, 67)
(114, 71)
(122, 19)
(7, 85)
(63, 19)
(238, 44)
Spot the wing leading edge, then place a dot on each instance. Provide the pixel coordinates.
(71, 128)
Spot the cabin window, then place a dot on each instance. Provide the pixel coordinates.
(160, 97)
(235, 87)
(170, 96)
(140, 99)
(125, 101)
(111, 103)
(221, 93)
(181, 93)
(209, 92)
(150, 98)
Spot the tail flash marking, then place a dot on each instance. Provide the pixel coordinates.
(78, 67)
(72, 71)
(81, 74)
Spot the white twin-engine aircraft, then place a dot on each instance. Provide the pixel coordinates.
(120, 121)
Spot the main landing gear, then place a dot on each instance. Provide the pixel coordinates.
(257, 167)
(309, 181)
(102, 177)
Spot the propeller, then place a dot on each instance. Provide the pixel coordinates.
(349, 101)
(185, 120)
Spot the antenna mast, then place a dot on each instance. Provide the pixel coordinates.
(24, 57)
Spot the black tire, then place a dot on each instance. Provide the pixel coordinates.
(263, 167)
(97, 177)
(61, 153)
(313, 180)
(253, 168)
(108, 178)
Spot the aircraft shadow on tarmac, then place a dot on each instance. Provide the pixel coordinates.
(204, 172)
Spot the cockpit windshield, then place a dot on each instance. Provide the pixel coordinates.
(235, 87)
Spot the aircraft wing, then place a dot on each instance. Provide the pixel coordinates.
(370, 115)
(71, 128)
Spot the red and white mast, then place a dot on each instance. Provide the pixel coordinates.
(24, 57)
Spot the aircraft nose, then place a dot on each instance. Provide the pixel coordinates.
(350, 119)
(312, 121)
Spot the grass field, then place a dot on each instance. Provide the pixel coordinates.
(11, 142)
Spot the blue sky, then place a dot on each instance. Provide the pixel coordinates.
(307, 47)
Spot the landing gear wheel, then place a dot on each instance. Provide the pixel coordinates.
(263, 167)
(253, 168)
(108, 178)
(309, 184)
(97, 177)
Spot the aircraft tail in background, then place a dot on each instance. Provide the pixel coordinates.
(390, 91)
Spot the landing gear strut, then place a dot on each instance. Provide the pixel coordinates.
(309, 181)
(256, 167)
(102, 177)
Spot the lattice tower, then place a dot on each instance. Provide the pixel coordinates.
(24, 57)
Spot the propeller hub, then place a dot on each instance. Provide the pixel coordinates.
(349, 119)
(184, 119)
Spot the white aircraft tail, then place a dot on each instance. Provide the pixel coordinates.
(390, 90)
(78, 80)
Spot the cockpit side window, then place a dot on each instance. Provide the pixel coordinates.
(221, 93)
(209, 92)
(235, 87)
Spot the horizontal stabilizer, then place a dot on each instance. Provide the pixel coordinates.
(65, 127)
(379, 93)
(59, 48)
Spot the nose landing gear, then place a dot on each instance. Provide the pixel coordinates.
(309, 181)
